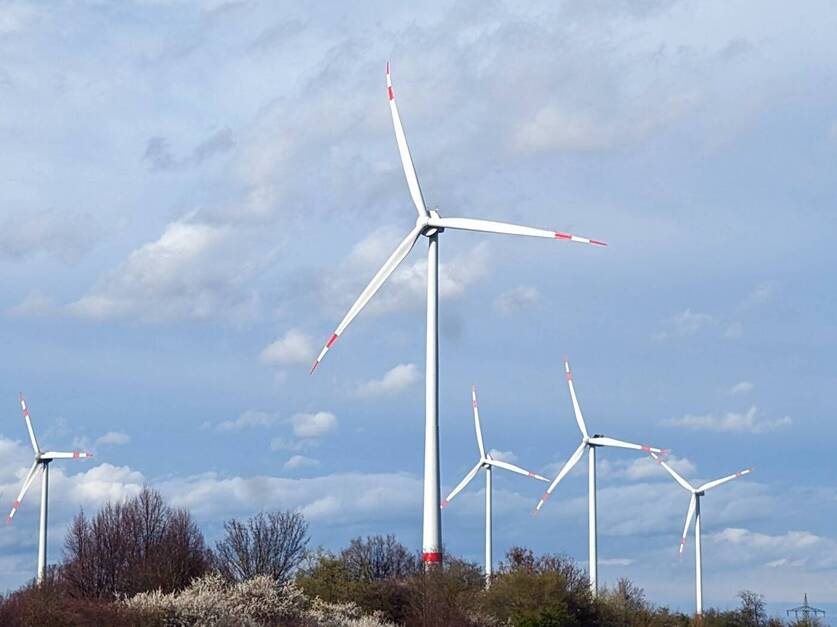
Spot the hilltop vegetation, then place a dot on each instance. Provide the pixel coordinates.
(143, 563)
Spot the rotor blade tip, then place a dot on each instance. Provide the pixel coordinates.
(444, 504)
(8, 520)
(314, 367)
(596, 242)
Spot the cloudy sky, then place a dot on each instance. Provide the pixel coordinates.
(194, 192)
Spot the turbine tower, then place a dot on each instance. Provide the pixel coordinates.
(430, 225)
(694, 512)
(588, 444)
(486, 462)
(42, 460)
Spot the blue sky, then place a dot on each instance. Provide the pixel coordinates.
(194, 193)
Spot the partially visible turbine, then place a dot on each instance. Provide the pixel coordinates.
(42, 460)
(694, 512)
(486, 462)
(589, 444)
(429, 224)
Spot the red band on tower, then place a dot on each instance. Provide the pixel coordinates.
(431, 557)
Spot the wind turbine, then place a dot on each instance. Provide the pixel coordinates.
(694, 512)
(486, 462)
(589, 444)
(42, 460)
(430, 225)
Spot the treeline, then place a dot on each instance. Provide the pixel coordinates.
(142, 562)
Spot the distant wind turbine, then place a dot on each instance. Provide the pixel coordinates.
(589, 444)
(429, 224)
(694, 511)
(42, 460)
(486, 462)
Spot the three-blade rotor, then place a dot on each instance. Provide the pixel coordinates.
(41, 459)
(486, 460)
(427, 223)
(586, 441)
(696, 493)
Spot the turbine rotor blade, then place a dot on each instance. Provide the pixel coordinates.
(717, 482)
(26, 483)
(578, 417)
(477, 421)
(382, 275)
(404, 152)
(517, 469)
(606, 441)
(66, 455)
(679, 479)
(689, 515)
(28, 420)
(489, 226)
(572, 461)
(465, 481)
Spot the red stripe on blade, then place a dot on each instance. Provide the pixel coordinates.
(559, 235)
(331, 340)
(597, 242)
(390, 93)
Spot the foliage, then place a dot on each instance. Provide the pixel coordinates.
(142, 563)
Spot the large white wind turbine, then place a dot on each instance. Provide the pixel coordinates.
(429, 224)
(590, 444)
(694, 512)
(486, 462)
(42, 460)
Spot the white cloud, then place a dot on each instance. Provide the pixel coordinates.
(503, 456)
(248, 420)
(193, 271)
(113, 438)
(313, 425)
(393, 382)
(789, 549)
(562, 127)
(517, 299)
(337, 499)
(300, 461)
(554, 128)
(684, 324)
(295, 347)
(281, 443)
(34, 305)
(731, 421)
(742, 387)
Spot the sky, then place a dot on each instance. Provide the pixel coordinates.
(195, 192)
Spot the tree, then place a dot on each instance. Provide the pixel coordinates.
(540, 591)
(266, 544)
(378, 558)
(129, 547)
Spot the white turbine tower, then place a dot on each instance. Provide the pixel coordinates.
(42, 460)
(694, 512)
(486, 462)
(429, 224)
(589, 444)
